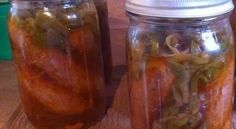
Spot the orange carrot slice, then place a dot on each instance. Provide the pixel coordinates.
(219, 98)
(149, 92)
(49, 94)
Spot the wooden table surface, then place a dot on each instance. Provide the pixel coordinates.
(9, 97)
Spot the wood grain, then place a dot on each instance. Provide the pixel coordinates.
(9, 97)
(19, 121)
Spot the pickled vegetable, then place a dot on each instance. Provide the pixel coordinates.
(59, 65)
(180, 80)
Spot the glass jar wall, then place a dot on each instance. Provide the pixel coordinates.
(58, 57)
(180, 72)
(233, 19)
(101, 6)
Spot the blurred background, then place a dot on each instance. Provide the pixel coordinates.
(5, 51)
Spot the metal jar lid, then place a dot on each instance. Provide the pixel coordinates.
(179, 8)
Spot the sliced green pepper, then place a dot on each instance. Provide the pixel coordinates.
(47, 20)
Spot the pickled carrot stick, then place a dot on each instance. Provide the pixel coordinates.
(159, 79)
(50, 95)
(228, 124)
(150, 92)
(86, 52)
(17, 41)
(218, 98)
(82, 40)
(61, 68)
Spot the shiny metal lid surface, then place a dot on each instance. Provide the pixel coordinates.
(179, 8)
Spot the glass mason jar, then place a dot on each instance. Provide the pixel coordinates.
(233, 24)
(58, 57)
(180, 68)
(233, 19)
(101, 6)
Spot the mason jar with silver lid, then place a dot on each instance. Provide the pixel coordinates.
(180, 57)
